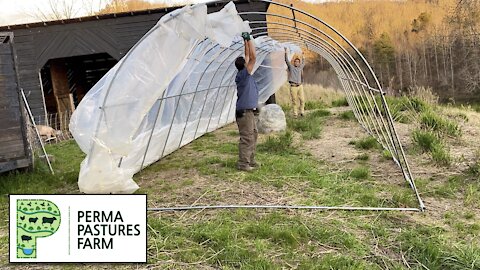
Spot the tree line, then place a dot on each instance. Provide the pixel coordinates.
(429, 43)
(445, 57)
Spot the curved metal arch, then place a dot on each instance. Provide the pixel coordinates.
(369, 129)
(390, 126)
(344, 65)
(392, 148)
(340, 46)
(407, 173)
(367, 109)
(339, 71)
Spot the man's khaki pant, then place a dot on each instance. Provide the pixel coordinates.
(248, 139)
(298, 99)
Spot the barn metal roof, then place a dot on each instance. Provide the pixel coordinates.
(107, 16)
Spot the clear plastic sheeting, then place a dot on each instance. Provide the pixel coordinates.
(173, 86)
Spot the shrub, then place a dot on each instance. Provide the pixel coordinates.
(430, 120)
(427, 140)
(424, 94)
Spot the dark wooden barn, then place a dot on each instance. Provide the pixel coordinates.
(14, 151)
(57, 62)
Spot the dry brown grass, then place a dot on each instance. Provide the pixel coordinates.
(365, 20)
(313, 92)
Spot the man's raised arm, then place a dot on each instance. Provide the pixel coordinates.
(247, 51)
(286, 59)
(252, 55)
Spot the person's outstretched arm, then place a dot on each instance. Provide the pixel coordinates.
(247, 51)
(289, 65)
(252, 56)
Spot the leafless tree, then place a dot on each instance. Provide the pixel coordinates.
(56, 10)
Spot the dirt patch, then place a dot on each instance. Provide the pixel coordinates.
(333, 146)
(189, 187)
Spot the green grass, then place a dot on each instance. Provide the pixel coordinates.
(426, 140)
(267, 239)
(386, 155)
(363, 157)
(318, 113)
(340, 102)
(314, 105)
(366, 143)
(310, 126)
(360, 173)
(405, 109)
(441, 155)
(474, 168)
(432, 121)
(347, 115)
(429, 142)
(281, 144)
(67, 157)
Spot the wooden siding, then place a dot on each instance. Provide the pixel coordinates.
(13, 149)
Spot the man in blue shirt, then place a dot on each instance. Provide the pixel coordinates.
(247, 100)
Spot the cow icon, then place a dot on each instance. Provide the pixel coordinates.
(33, 220)
(26, 238)
(48, 220)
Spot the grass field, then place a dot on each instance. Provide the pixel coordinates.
(331, 162)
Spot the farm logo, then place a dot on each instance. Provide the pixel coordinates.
(35, 219)
(77, 228)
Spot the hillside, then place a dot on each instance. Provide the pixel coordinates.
(363, 21)
(408, 43)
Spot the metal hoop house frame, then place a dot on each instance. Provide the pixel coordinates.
(285, 24)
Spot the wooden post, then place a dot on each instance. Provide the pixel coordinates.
(61, 89)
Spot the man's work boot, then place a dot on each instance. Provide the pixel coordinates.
(245, 168)
(255, 164)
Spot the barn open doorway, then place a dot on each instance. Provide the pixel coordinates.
(65, 81)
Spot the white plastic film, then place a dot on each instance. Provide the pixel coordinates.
(174, 85)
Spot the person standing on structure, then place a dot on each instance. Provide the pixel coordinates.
(247, 101)
(295, 78)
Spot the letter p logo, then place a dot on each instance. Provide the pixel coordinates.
(35, 219)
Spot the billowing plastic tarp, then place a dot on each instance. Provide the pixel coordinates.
(173, 86)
